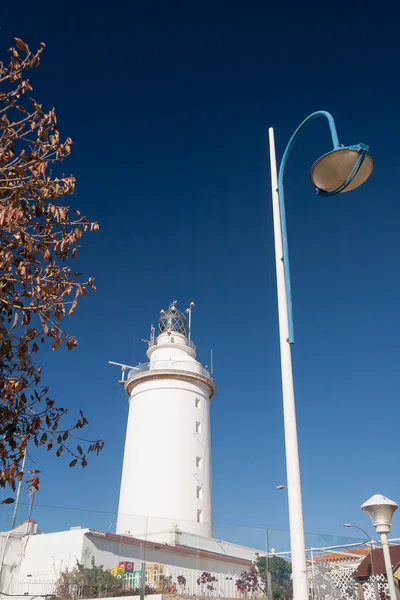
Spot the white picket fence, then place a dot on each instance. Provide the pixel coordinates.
(187, 581)
(171, 580)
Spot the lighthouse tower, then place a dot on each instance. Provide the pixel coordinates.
(166, 475)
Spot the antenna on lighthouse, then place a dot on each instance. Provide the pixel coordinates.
(150, 342)
(189, 312)
(123, 369)
(211, 362)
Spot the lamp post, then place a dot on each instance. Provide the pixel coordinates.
(381, 509)
(341, 170)
(372, 556)
(18, 493)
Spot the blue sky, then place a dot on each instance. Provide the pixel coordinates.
(169, 106)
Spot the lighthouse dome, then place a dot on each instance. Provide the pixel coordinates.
(172, 320)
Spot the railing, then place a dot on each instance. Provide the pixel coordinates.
(153, 342)
(166, 579)
(174, 365)
(185, 581)
(330, 582)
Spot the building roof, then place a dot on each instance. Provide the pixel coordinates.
(364, 570)
(343, 555)
(26, 521)
(30, 525)
(176, 549)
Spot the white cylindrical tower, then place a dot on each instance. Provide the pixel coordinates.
(166, 475)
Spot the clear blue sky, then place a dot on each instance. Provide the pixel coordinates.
(169, 105)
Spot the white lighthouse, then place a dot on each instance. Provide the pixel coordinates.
(166, 475)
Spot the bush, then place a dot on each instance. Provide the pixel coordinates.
(93, 582)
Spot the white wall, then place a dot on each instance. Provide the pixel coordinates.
(11, 552)
(51, 553)
(108, 553)
(207, 544)
(217, 546)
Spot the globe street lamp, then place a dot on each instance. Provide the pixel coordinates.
(342, 169)
(375, 582)
(381, 509)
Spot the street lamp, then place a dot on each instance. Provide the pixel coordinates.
(342, 169)
(281, 487)
(381, 509)
(372, 557)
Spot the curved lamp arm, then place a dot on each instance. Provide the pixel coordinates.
(372, 557)
(285, 258)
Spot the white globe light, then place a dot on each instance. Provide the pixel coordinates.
(380, 509)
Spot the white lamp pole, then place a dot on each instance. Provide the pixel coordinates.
(381, 509)
(342, 169)
(296, 526)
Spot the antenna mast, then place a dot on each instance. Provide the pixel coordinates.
(189, 312)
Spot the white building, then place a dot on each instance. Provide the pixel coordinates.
(31, 561)
(166, 475)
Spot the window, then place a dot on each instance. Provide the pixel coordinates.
(199, 516)
(198, 427)
(199, 492)
(198, 462)
(197, 402)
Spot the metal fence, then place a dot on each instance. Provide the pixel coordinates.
(169, 580)
(328, 580)
(162, 365)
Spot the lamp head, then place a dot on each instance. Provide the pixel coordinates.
(281, 487)
(380, 509)
(342, 170)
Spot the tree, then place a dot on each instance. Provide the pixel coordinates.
(39, 235)
(249, 583)
(84, 582)
(206, 582)
(281, 576)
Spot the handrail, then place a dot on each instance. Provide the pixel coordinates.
(169, 365)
